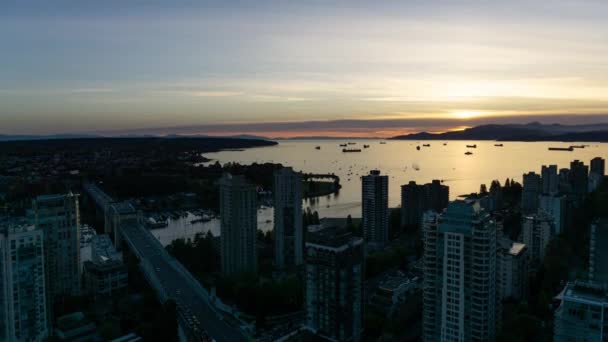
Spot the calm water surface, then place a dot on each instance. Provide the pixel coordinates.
(402, 163)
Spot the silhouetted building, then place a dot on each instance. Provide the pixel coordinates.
(334, 284)
(598, 251)
(564, 181)
(23, 302)
(550, 179)
(596, 173)
(579, 181)
(531, 190)
(375, 208)
(416, 199)
(288, 232)
(238, 215)
(460, 277)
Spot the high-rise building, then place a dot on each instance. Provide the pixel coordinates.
(556, 207)
(23, 303)
(598, 251)
(537, 231)
(531, 190)
(439, 195)
(550, 179)
(413, 204)
(117, 215)
(564, 181)
(596, 173)
(460, 291)
(59, 219)
(105, 274)
(334, 284)
(579, 180)
(598, 166)
(417, 199)
(375, 208)
(288, 234)
(582, 314)
(238, 216)
(512, 269)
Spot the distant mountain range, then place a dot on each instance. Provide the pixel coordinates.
(533, 131)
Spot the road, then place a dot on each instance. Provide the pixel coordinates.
(192, 304)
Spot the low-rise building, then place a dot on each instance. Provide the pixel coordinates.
(75, 327)
(394, 291)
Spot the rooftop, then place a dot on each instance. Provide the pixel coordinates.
(517, 248)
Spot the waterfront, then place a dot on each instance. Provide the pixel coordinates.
(403, 162)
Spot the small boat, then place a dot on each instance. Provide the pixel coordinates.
(418, 148)
(426, 145)
(498, 145)
(472, 146)
(351, 150)
(468, 153)
(561, 148)
(383, 142)
(318, 147)
(445, 144)
(343, 145)
(577, 146)
(365, 146)
(351, 143)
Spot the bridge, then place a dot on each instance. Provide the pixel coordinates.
(198, 318)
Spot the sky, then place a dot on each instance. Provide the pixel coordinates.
(291, 68)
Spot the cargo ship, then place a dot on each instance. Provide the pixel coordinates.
(561, 148)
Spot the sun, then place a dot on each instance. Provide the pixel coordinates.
(466, 114)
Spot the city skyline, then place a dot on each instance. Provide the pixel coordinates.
(284, 69)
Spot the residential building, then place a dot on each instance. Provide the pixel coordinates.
(375, 208)
(512, 269)
(22, 285)
(556, 206)
(537, 231)
(531, 191)
(596, 173)
(118, 214)
(288, 233)
(583, 313)
(59, 219)
(460, 291)
(238, 216)
(334, 284)
(550, 179)
(105, 274)
(598, 251)
(564, 181)
(579, 181)
(598, 166)
(417, 199)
